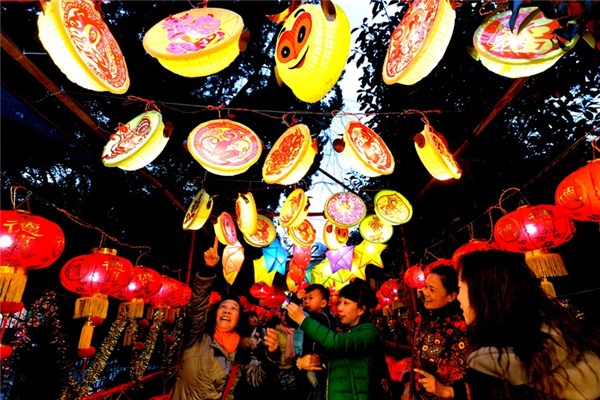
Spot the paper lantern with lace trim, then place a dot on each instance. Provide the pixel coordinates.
(366, 151)
(435, 155)
(578, 195)
(294, 209)
(290, 157)
(198, 211)
(345, 209)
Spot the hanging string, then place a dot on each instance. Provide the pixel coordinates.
(13, 197)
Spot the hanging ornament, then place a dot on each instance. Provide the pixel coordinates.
(294, 209)
(319, 272)
(198, 42)
(261, 274)
(198, 211)
(334, 236)
(390, 289)
(414, 277)
(136, 143)
(172, 295)
(340, 258)
(344, 209)
(245, 210)
(296, 272)
(435, 155)
(303, 234)
(302, 255)
(81, 45)
(27, 242)
(392, 207)
(265, 233)
(225, 229)
(233, 258)
(260, 290)
(366, 151)
(578, 195)
(529, 48)
(275, 257)
(375, 229)
(369, 253)
(290, 157)
(224, 147)
(312, 49)
(143, 284)
(419, 41)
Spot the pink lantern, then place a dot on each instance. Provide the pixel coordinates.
(341, 258)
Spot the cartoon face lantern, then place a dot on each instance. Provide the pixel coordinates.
(312, 49)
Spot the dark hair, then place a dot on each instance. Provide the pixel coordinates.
(448, 276)
(251, 313)
(317, 286)
(511, 309)
(359, 292)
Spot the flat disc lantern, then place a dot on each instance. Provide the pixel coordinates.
(578, 195)
(523, 51)
(81, 45)
(245, 211)
(303, 234)
(290, 157)
(197, 42)
(435, 155)
(367, 152)
(312, 49)
(419, 41)
(225, 229)
(198, 211)
(264, 235)
(295, 209)
(392, 207)
(137, 143)
(224, 147)
(345, 209)
(375, 230)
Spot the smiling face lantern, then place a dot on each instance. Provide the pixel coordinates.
(312, 49)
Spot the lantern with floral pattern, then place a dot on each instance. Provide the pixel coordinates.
(290, 157)
(294, 209)
(366, 151)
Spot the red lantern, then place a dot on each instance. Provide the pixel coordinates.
(390, 289)
(578, 195)
(275, 299)
(414, 277)
(471, 246)
(260, 290)
(27, 242)
(144, 283)
(172, 293)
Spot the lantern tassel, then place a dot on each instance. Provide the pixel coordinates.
(548, 288)
(85, 339)
(130, 333)
(12, 283)
(133, 308)
(95, 306)
(545, 264)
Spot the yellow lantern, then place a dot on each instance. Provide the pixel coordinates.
(290, 157)
(225, 229)
(334, 236)
(524, 51)
(312, 49)
(245, 209)
(264, 235)
(224, 147)
(294, 209)
(419, 41)
(434, 154)
(81, 45)
(392, 207)
(197, 42)
(366, 151)
(375, 229)
(198, 211)
(137, 143)
(303, 234)
(233, 258)
(345, 209)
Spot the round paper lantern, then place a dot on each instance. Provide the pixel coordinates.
(245, 210)
(27, 242)
(334, 236)
(433, 151)
(197, 42)
(198, 211)
(260, 290)
(419, 41)
(524, 51)
(81, 45)
(172, 293)
(294, 209)
(366, 151)
(290, 157)
(303, 234)
(392, 207)
(578, 195)
(345, 209)
(225, 229)
(376, 230)
(437, 263)
(143, 284)
(414, 277)
(390, 289)
(137, 143)
(224, 147)
(264, 235)
(471, 246)
(312, 50)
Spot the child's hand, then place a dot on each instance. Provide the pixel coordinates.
(272, 339)
(295, 312)
(211, 256)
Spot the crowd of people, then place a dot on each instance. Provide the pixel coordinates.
(484, 330)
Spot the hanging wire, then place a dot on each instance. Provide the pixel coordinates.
(13, 197)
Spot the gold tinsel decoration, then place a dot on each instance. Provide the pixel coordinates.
(141, 360)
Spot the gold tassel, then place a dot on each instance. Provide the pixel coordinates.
(545, 264)
(548, 288)
(134, 308)
(95, 306)
(130, 333)
(12, 283)
(87, 331)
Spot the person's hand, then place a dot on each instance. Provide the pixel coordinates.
(271, 340)
(248, 343)
(211, 256)
(432, 385)
(301, 294)
(309, 362)
(295, 313)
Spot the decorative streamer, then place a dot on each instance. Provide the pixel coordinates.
(141, 360)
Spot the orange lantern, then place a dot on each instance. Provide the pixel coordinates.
(225, 229)
(366, 151)
(265, 233)
(94, 276)
(81, 45)
(197, 42)
(419, 41)
(375, 230)
(137, 143)
(578, 195)
(303, 234)
(531, 48)
(334, 236)
(312, 49)
(27, 242)
(294, 209)
(224, 147)
(290, 157)
(433, 151)
(392, 207)
(143, 284)
(198, 211)
(345, 209)
(245, 210)
(414, 277)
